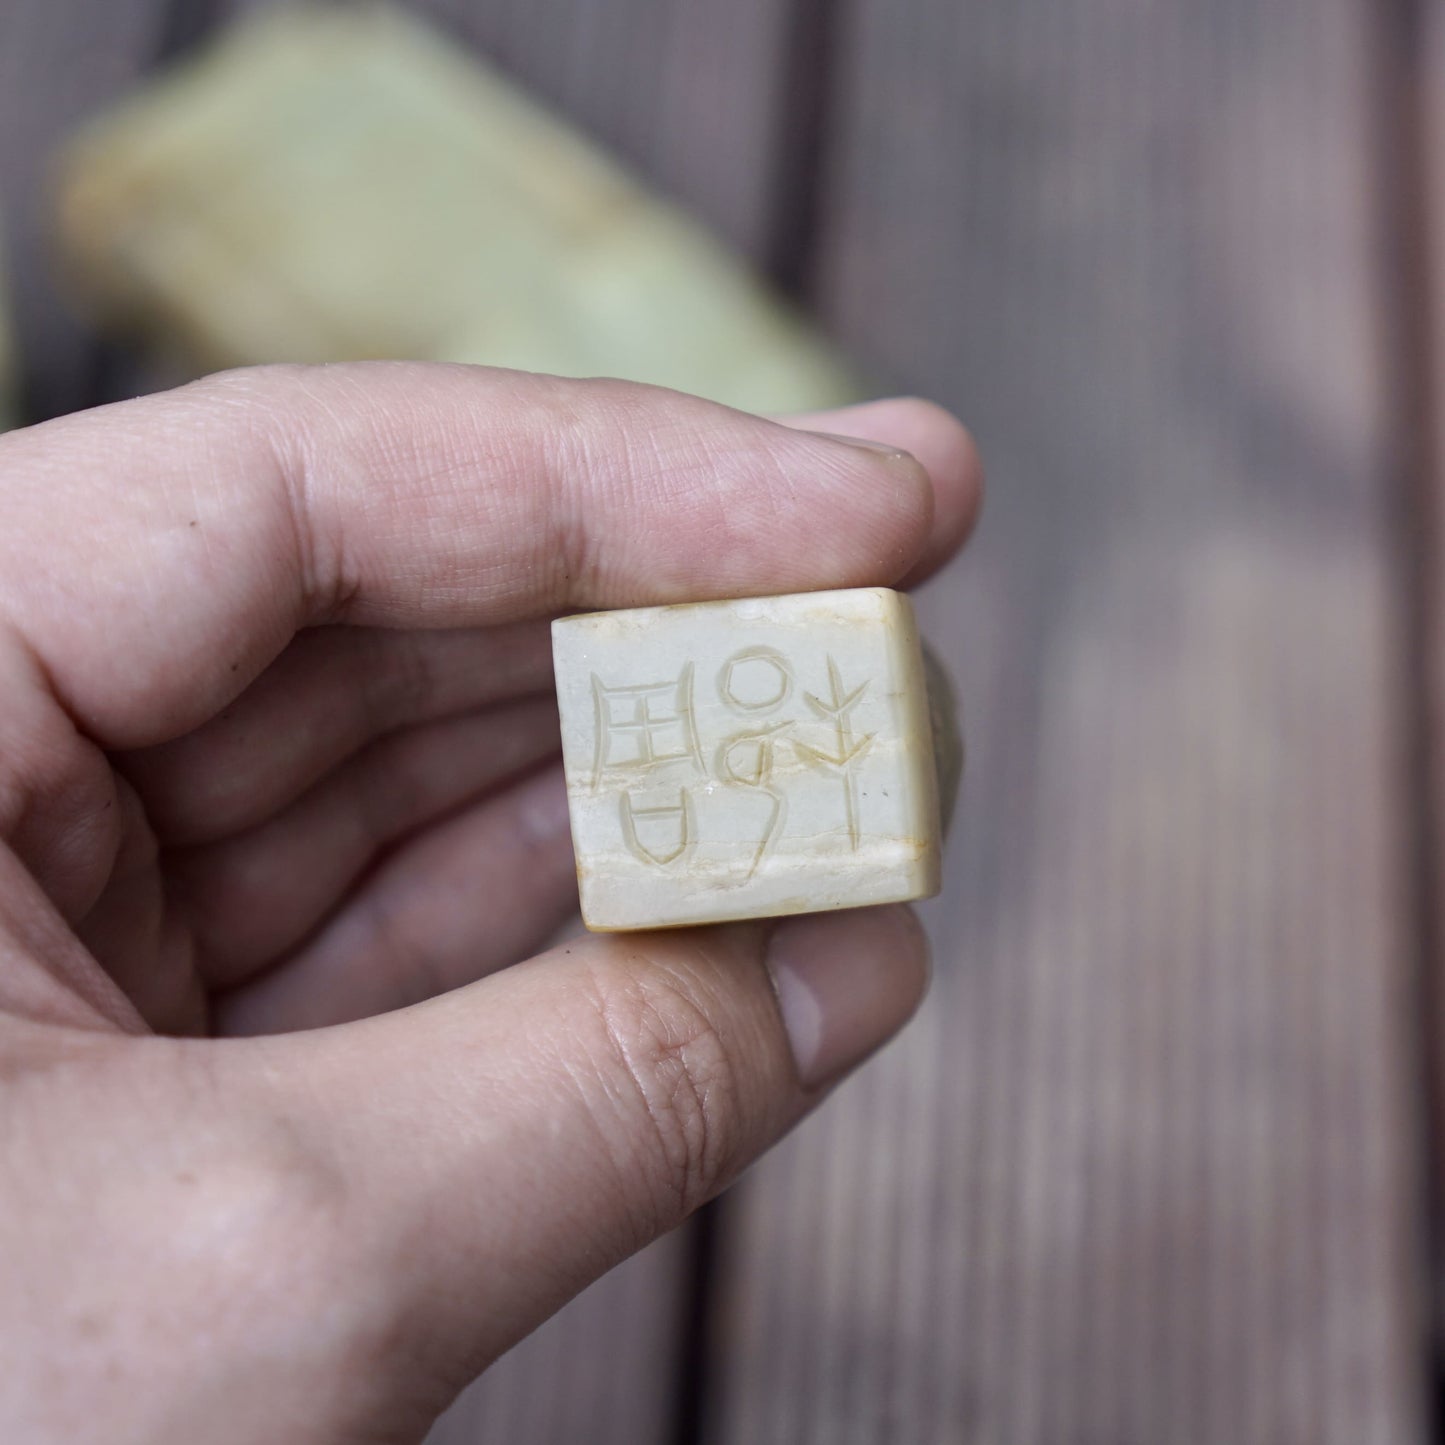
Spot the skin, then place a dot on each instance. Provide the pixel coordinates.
(292, 1143)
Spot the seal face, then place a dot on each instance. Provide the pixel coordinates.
(749, 758)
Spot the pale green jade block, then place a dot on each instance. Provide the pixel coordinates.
(748, 758)
(340, 183)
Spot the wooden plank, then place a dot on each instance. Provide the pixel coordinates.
(604, 1369)
(58, 62)
(9, 400)
(1413, 158)
(1145, 1168)
(1412, 165)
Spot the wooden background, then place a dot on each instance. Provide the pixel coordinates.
(1160, 1161)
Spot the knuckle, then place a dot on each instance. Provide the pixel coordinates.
(263, 1216)
(566, 542)
(680, 1088)
(585, 429)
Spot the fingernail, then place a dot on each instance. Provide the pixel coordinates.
(867, 444)
(846, 983)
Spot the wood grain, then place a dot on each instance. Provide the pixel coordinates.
(605, 1369)
(1413, 126)
(1146, 1167)
(58, 63)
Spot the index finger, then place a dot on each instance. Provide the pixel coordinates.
(158, 553)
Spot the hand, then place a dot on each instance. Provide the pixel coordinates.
(277, 757)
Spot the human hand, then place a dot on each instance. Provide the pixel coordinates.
(276, 759)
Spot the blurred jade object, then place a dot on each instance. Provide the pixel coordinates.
(332, 184)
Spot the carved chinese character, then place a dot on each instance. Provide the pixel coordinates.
(641, 726)
(736, 759)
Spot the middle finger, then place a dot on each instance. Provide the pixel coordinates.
(332, 691)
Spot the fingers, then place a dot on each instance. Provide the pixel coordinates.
(251, 897)
(46, 975)
(944, 447)
(135, 935)
(501, 1147)
(332, 690)
(239, 509)
(466, 897)
(937, 440)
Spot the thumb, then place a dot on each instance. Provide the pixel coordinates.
(500, 1147)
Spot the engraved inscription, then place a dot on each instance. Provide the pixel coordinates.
(658, 835)
(758, 679)
(746, 760)
(643, 725)
(650, 727)
(847, 750)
